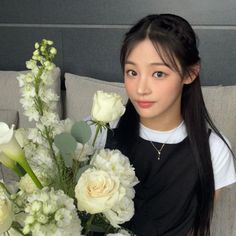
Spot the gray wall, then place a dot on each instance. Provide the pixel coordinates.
(88, 33)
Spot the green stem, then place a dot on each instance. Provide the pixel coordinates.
(29, 171)
(5, 188)
(59, 160)
(88, 224)
(98, 128)
(17, 227)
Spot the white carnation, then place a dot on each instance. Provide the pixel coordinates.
(113, 161)
(51, 212)
(121, 212)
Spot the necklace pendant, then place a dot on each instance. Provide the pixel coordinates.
(159, 155)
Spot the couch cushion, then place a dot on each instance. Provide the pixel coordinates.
(8, 116)
(80, 91)
(221, 104)
(10, 94)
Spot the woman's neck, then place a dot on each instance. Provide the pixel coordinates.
(161, 125)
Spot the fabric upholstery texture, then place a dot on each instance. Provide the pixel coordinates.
(10, 117)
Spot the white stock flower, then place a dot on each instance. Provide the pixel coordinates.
(21, 79)
(51, 212)
(82, 152)
(48, 96)
(6, 213)
(35, 136)
(49, 118)
(113, 161)
(31, 64)
(107, 107)
(97, 191)
(121, 212)
(21, 136)
(26, 183)
(28, 91)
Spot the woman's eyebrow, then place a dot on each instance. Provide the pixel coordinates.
(153, 63)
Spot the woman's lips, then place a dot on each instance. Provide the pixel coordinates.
(145, 104)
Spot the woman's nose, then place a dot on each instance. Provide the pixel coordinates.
(143, 86)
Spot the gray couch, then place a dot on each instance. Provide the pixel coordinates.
(220, 100)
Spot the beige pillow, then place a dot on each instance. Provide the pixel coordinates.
(80, 91)
(221, 104)
(10, 117)
(10, 93)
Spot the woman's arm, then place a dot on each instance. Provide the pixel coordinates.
(217, 194)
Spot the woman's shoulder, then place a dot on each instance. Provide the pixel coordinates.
(222, 161)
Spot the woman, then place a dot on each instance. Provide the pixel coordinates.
(179, 156)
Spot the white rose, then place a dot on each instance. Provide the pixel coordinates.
(121, 212)
(97, 191)
(6, 213)
(113, 161)
(107, 107)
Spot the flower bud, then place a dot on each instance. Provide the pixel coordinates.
(36, 45)
(53, 51)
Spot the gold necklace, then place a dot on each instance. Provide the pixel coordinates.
(163, 145)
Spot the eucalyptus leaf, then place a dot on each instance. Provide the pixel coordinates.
(96, 228)
(81, 131)
(82, 170)
(66, 143)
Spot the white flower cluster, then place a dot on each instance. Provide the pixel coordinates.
(38, 99)
(6, 212)
(51, 212)
(108, 187)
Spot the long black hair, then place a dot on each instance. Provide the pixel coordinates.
(176, 44)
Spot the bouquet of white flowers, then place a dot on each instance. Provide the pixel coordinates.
(66, 185)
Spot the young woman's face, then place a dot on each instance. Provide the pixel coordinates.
(153, 88)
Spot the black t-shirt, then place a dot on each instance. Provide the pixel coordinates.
(165, 199)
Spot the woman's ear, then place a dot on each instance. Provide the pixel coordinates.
(194, 72)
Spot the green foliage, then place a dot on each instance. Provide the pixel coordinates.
(82, 170)
(81, 131)
(66, 143)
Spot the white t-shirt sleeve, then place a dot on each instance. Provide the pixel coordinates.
(222, 162)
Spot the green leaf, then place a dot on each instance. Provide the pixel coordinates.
(82, 170)
(81, 131)
(66, 143)
(96, 228)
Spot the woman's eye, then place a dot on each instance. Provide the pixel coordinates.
(131, 73)
(159, 74)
